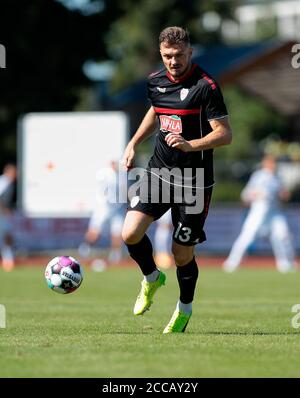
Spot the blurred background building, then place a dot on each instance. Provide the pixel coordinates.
(94, 55)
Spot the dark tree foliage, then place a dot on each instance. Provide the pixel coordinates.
(46, 45)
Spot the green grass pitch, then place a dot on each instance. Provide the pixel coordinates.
(241, 327)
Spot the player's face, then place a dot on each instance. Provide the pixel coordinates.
(176, 58)
(11, 172)
(270, 164)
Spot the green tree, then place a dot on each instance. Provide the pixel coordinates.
(252, 120)
(133, 38)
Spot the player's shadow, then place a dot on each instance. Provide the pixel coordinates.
(258, 333)
(208, 333)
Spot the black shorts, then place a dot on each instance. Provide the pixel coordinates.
(188, 216)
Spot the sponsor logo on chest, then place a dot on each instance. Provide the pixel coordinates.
(170, 123)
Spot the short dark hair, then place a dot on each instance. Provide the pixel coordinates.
(174, 35)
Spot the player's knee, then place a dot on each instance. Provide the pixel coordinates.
(281, 233)
(132, 236)
(182, 255)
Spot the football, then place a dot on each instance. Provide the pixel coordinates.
(64, 274)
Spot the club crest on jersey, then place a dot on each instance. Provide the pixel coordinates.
(170, 123)
(183, 93)
(161, 89)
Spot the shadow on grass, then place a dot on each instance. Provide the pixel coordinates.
(258, 333)
(187, 333)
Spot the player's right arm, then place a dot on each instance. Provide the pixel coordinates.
(145, 129)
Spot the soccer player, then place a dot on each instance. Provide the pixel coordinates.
(192, 119)
(263, 193)
(7, 180)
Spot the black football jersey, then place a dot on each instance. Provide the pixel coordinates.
(185, 107)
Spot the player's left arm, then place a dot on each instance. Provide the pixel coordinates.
(220, 135)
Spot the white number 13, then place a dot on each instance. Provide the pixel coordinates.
(183, 233)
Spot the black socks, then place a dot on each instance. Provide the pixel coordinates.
(187, 276)
(142, 253)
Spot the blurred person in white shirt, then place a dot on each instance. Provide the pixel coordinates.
(7, 180)
(108, 214)
(264, 193)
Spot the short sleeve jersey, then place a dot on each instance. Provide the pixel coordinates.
(267, 184)
(185, 107)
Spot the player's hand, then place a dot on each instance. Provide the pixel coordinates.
(177, 141)
(128, 157)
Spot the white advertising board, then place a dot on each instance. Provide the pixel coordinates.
(59, 157)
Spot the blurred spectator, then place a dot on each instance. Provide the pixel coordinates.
(7, 183)
(108, 215)
(263, 193)
(162, 241)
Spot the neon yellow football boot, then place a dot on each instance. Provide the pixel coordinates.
(178, 322)
(144, 299)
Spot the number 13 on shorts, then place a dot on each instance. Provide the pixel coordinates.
(183, 233)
